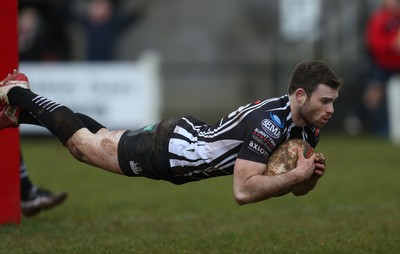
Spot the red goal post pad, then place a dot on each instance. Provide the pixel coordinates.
(10, 211)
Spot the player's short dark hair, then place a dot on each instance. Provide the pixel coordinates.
(309, 74)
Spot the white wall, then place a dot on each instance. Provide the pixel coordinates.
(119, 95)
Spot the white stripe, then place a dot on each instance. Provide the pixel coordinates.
(228, 165)
(281, 108)
(240, 114)
(304, 134)
(225, 160)
(181, 131)
(235, 120)
(55, 108)
(47, 104)
(203, 152)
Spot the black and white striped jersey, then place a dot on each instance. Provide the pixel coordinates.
(198, 150)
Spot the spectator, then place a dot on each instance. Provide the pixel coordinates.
(383, 41)
(42, 31)
(102, 26)
(32, 42)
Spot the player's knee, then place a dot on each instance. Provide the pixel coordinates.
(76, 151)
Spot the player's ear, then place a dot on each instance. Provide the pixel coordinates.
(300, 95)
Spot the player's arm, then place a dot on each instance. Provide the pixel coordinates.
(251, 185)
(309, 184)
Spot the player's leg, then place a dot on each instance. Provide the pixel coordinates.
(89, 152)
(25, 183)
(34, 199)
(96, 149)
(100, 149)
(12, 115)
(92, 125)
(27, 118)
(57, 118)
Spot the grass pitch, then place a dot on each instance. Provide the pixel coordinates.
(354, 209)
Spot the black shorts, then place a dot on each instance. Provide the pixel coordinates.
(144, 152)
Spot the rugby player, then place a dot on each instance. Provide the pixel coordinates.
(187, 149)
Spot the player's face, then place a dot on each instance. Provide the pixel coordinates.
(318, 109)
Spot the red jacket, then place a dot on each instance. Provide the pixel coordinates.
(382, 30)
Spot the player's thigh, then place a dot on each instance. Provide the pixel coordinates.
(100, 150)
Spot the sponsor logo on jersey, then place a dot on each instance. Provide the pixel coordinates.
(271, 128)
(263, 139)
(148, 128)
(260, 133)
(259, 149)
(276, 120)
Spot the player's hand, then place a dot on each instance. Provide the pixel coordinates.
(320, 164)
(304, 166)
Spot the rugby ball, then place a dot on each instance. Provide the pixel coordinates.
(284, 158)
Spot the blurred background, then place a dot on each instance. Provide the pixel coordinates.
(213, 56)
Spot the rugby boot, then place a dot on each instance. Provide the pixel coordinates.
(9, 116)
(41, 199)
(12, 80)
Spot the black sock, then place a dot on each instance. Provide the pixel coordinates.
(27, 118)
(25, 183)
(90, 123)
(58, 119)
